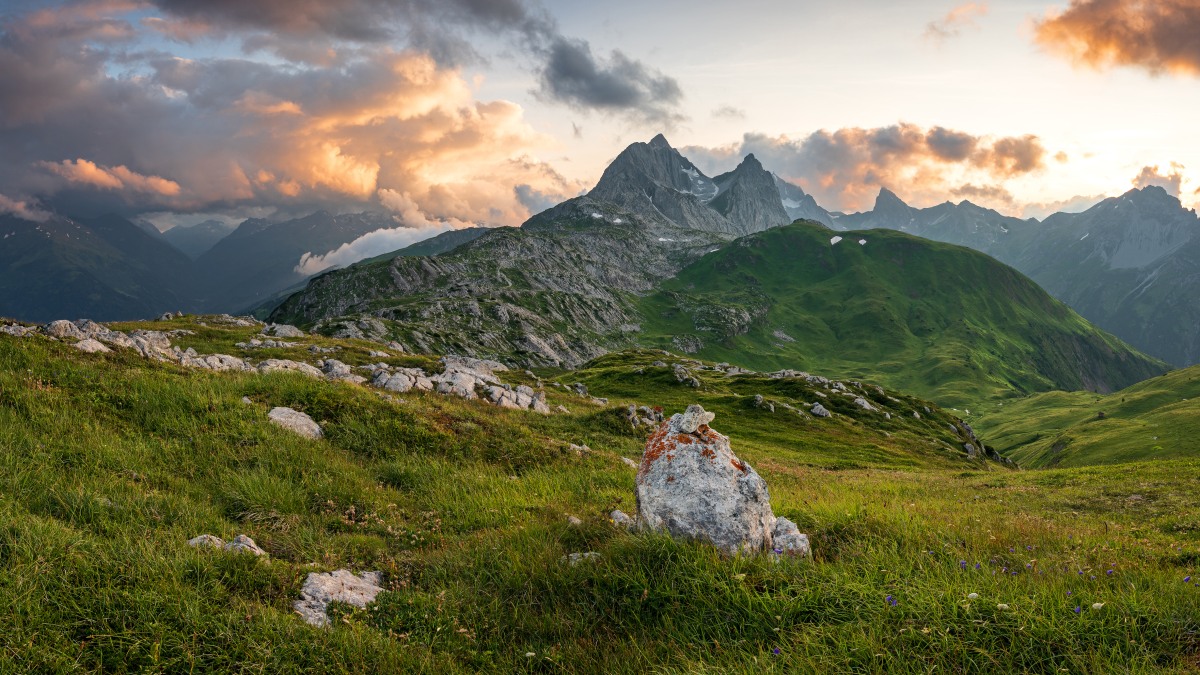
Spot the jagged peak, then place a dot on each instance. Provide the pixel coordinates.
(751, 162)
(888, 200)
(660, 141)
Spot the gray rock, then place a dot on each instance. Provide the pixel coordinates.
(629, 462)
(207, 541)
(574, 559)
(691, 485)
(573, 521)
(17, 330)
(335, 370)
(320, 590)
(819, 410)
(285, 365)
(296, 422)
(282, 330)
(788, 540)
(63, 329)
(244, 544)
(90, 346)
(622, 519)
(864, 404)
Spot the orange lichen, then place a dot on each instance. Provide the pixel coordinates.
(738, 464)
(656, 446)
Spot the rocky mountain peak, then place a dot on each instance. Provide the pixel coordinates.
(660, 141)
(887, 201)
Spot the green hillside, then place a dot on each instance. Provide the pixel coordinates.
(1155, 419)
(111, 463)
(934, 319)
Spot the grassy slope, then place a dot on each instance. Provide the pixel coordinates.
(111, 463)
(1155, 419)
(933, 319)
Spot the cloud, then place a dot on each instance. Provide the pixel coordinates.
(1076, 204)
(955, 21)
(23, 209)
(535, 200)
(110, 178)
(415, 225)
(1151, 175)
(231, 135)
(309, 31)
(576, 77)
(993, 194)
(1158, 36)
(844, 169)
(728, 112)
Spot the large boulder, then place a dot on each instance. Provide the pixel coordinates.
(282, 330)
(691, 485)
(287, 365)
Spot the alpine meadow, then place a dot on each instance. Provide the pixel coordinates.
(374, 336)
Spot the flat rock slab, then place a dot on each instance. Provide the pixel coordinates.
(296, 422)
(90, 346)
(321, 589)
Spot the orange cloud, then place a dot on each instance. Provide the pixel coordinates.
(1158, 35)
(1171, 182)
(82, 171)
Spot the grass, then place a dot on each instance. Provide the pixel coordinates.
(111, 463)
(937, 320)
(1154, 419)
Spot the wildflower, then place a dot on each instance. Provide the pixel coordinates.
(1097, 605)
(1002, 607)
(530, 655)
(977, 566)
(1028, 566)
(1109, 573)
(775, 651)
(1068, 594)
(1028, 548)
(1010, 549)
(1077, 609)
(1187, 579)
(891, 600)
(962, 564)
(777, 551)
(972, 596)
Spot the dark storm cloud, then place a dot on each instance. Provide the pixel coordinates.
(1158, 35)
(575, 76)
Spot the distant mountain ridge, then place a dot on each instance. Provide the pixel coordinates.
(1130, 264)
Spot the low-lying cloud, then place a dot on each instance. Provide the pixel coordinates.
(845, 168)
(1158, 36)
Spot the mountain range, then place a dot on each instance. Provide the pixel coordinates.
(659, 254)
(1129, 264)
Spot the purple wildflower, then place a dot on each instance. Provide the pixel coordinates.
(1077, 609)
(891, 600)
(1187, 579)
(1109, 573)
(962, 564)
(977, 566)
(775, 651)
(1068, 593)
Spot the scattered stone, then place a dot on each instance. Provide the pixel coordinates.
(629, 462)
(247, 401)
(820, 411)
(574, 559)
(573, 521)
(244, 544)
(282, 330)
(760, 402)
(206, 541)
(580, 450)
(320, 590)
(285, 365)
(622, 519)
(90, 346)
(296, 422)
(864, 404)
(788, 540)
(562, 409)
(63, 329)
(691, 485)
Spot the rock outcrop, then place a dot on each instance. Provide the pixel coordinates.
(691, 485)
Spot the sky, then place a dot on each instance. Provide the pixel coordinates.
(449, 113)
